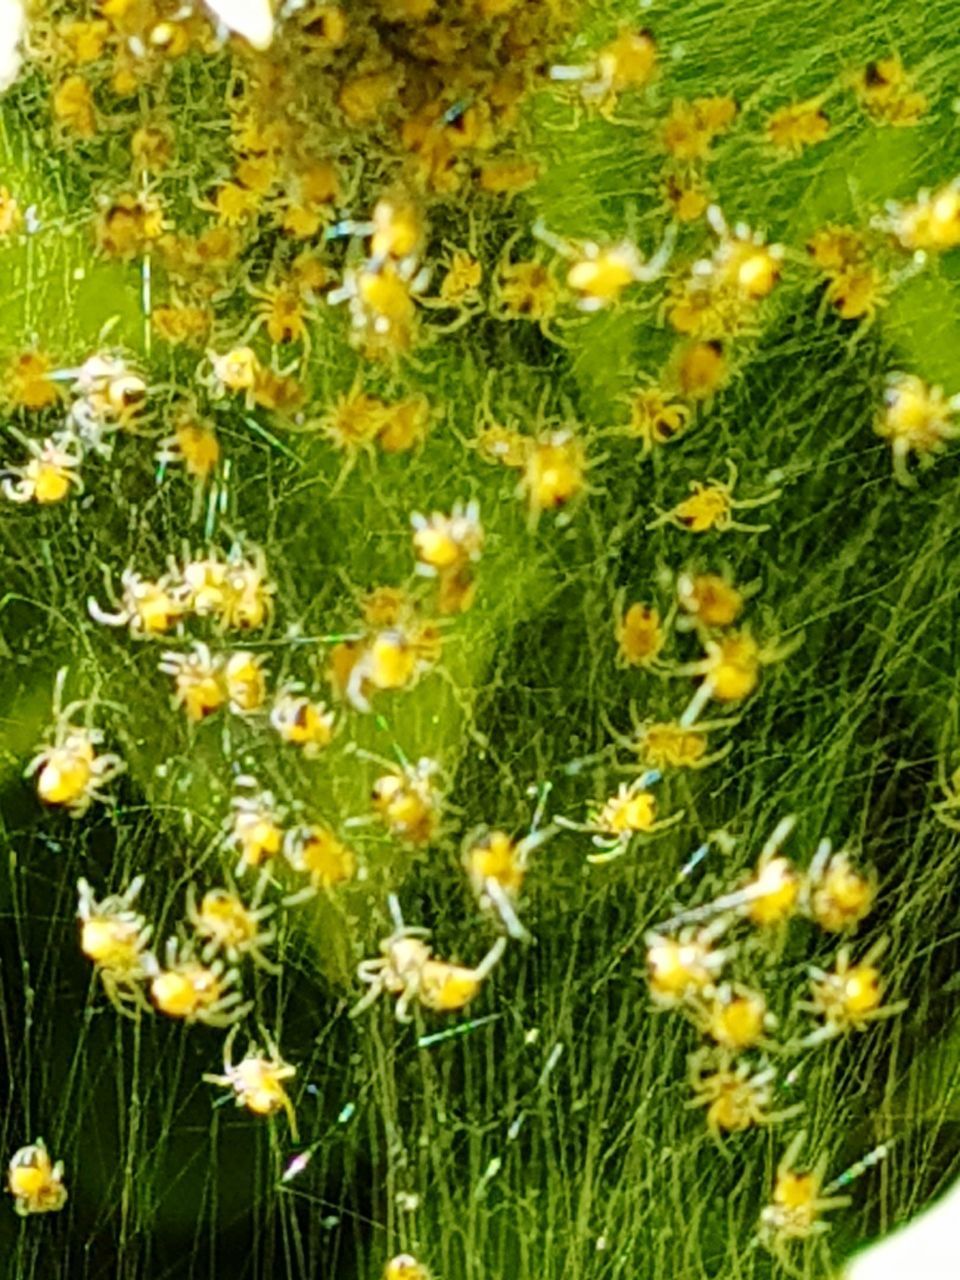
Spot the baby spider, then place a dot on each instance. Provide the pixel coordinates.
(685, 193)
(257, 1081)
(691, 127)
(794, 1210)
(857, 292)
(743, 259)
(391, 659)
(600, 273)
(640, 634)
(193, 445)
(148, 608)
(797, 125)
(396, 231)
(278, 390)
(916, 418)
(506, 175)
(711, 506)
(884, 90)
(657, 416)
(700, 369)
(181, 323)
(69, 771)
(27, 382)
(109, 396)
(404, 424)
(255, 826)
(946, 808)
(631, 812)
(735, 1097)
(496, 866)
(223, 923)
(199, 684)
(665, 744)
(407, 801)
(115, 938)
(236, 591)
(201, 583)
(316, 852)
(731, 670)
(770, 897)
(35, 1182)
(282, 311)
(848, 997)
(382, 299)
(836, 895)
(354, 423)
(456, 591)
(188, 989)
(685, 966)
(525, 290)
(706, 303)
(709, 601)
(248, 600)
(245, 679)
(406, 969)
(835, 248)
(446, 544)
(626, 62)
(554, 473)
(237, 370)
(503, 446)
(459, 290)
(302, 722)
(53, 468)
(734, 1017)
(931, 222)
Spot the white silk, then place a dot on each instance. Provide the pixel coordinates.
(13, 25)
(251, 19)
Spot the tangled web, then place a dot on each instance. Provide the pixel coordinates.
(546, 1131)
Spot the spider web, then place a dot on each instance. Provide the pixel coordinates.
(547, 1133)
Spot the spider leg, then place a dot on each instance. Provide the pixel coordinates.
(490, 959)
(504, 908)
(371, 997)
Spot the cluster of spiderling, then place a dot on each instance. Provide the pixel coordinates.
(717, 298)
(37, 1185)
(332, 81)
(737, 1074)
(884, 92)
(236, 594)
(432, 150)
(696, 963)
(197, 976)
(707, 606)
(551, 461)
(398, 643)
(196, 980)
(105, 395)
(432, 99)
(234, 591)
(359, 69)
